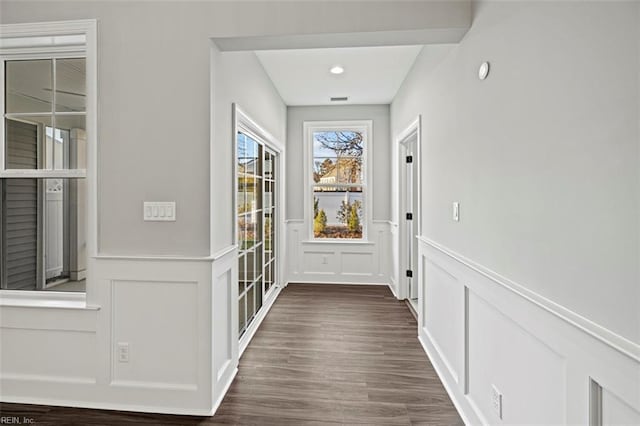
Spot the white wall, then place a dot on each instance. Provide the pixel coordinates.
(543, 157)
(345, 261)
(240, 79)
(154, 96)
(178, 314)
(167, 289)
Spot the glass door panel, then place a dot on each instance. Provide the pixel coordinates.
(255, 209)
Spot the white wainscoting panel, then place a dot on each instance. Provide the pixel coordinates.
(225, 351)
(174, 314)
(615, 411)
(481, 330)
(523, 368)
(445, 296)
(358, 264)
(361, 262)
(44, 355)
(145, 327)
(319, 262)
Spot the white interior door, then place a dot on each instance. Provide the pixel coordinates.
(410, 214)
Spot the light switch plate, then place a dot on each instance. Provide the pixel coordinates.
(159, 211)
(456, 211)
(123, 352)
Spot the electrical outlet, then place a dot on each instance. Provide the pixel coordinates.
(496, 401)
(456, 211)
(123, 352)
(325, 260)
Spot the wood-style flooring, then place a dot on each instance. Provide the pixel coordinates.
(325, 354)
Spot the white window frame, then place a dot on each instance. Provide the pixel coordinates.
(309, 128)
(45, 40)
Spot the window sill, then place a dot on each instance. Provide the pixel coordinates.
(45, 174)
(45, 299)
(337, 241)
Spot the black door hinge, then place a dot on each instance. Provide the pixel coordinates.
(409, 216)
(409, 273)
(409, 158)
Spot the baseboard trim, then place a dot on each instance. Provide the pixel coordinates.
(411, 309)
(606, 336)
(393, 291)
(108, 406)
(225, 389)
(333, 283)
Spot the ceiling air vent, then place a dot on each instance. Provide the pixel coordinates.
(339, 98)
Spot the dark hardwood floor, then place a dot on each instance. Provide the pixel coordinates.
(324, 354)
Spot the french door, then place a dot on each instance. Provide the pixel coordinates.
(256, 216)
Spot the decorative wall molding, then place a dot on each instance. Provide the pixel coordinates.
(163, 258)
(179, 320)
(48, 379)
(154, 385)
(603, 334)
(40, 299)
(341, 262)
(534, 354)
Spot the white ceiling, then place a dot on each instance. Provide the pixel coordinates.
(372, 75)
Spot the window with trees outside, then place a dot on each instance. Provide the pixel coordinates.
(339, 182)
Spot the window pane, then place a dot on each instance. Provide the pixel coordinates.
(251, 267)
(28, 86)
(268, 235)
(349, 170)
(242, 232)
(268, 166)
(22, 147)
(337, 156)
(241, 273)
(251, 155)
(70, 85)
(241, 314)
(241, 153)
(32, 142)
(240, 196)
(258, 292)
(338, 212)
(268, 195)
(267, 277)
(251, 299)
(258, 264)
(43, 223)
(70, 142)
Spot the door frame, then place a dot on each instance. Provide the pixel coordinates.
(415, 127)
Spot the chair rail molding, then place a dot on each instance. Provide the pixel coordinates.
(482, 330)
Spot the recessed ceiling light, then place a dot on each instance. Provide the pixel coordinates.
(336, 69)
